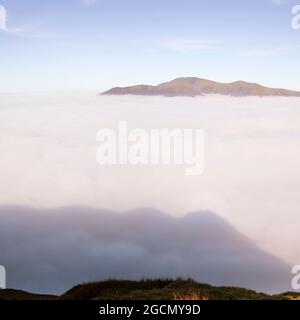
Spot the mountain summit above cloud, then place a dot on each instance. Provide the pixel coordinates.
(192, 87)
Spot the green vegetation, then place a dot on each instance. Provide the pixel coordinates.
(159, 289)
(11, 294)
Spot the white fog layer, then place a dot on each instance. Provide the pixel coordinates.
(252, 155)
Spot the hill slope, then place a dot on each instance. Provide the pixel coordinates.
(159, 289)
(192, 86)
(11, 294)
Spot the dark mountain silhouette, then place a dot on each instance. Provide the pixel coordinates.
(49, 251)
(192, 87)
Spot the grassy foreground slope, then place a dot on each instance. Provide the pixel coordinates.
(11, 294)
(159, 289)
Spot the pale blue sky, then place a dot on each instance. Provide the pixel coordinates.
(94, 45)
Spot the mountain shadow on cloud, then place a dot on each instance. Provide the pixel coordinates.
(49, 251)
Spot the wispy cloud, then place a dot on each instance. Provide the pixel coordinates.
(19, 31)
(189, 45)
(2, 18)
(25, 32)
(279, 2)
(263, 52)
(88, 3)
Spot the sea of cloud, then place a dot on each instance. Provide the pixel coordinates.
(252, 173)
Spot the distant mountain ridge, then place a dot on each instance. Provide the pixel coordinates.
(192, 86)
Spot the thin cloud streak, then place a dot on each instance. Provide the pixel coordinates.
(88, 3)
(279, 2)
(264, 52)
(182, 45)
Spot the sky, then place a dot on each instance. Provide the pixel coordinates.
(87, 45)
(48, 141)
